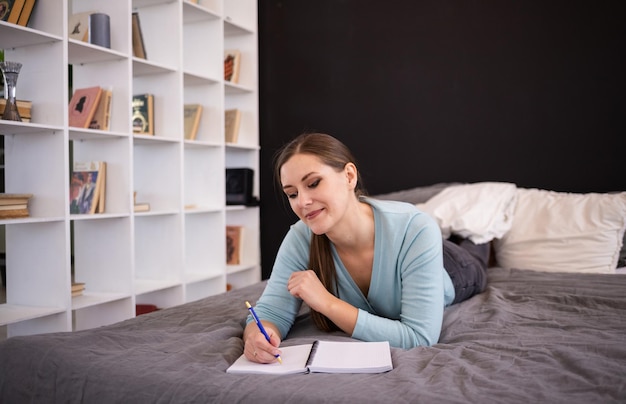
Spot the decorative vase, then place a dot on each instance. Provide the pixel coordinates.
(10, 70)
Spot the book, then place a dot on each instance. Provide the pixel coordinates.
(141, 207)
(139, 47)
(14, 199)
(83, 106)
(232, 121)
(14, 213)
(234, 235)
(102, 116)
(16, 9)
(15, 206)
(5, 9)
(323, 357)
(85, 186)
(78, 26)
(232, 62)
(101, 192)
(143, 114)
(192, 114)
(24, 108)
(77, 288)
(27, 11)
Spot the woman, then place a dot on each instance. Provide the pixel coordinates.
(372, 268)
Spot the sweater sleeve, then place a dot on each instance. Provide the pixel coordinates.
(276, 304)
(421, 288)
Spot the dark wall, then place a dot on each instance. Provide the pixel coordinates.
(424, 91)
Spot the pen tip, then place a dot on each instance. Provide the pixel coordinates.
(248, 304)
(279, 360)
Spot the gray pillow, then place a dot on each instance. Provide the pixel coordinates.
(417, 194)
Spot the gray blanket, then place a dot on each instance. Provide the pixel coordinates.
(530, 337)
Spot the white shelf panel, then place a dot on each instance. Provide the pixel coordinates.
(9, 128)
(143, 286)
(10, 313)
(15, 36)
(83, 53)
(233, 269)
(89, 299)
(194, 277)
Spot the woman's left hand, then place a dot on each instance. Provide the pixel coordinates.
(306, 285)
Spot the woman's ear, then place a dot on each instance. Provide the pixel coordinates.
(351, 174)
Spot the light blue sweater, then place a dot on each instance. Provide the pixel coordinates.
(409, 287)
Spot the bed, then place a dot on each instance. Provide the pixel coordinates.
(534, 335)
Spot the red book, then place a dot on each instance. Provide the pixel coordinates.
(83, 106)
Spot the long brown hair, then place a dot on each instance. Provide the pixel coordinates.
(335, 154)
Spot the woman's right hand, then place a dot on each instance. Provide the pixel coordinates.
(257, 348)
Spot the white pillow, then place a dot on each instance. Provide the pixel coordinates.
(480, 211)
(564, 232)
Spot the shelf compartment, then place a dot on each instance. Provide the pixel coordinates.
(104, 313)
(204, 287)
(205, 244)
(158, 252)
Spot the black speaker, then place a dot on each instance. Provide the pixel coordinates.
(239, 186)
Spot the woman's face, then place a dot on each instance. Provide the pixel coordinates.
(318, 194)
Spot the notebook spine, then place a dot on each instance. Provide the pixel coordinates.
(312, 354)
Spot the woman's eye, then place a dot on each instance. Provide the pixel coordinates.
(292, 196)
(314, 183)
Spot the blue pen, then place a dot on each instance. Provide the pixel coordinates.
(258, 322)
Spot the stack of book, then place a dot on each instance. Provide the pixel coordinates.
(23, 108)
(77, 288)
(14, 205)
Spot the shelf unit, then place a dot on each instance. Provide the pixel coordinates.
(174, 253)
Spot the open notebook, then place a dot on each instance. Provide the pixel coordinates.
(324, 357)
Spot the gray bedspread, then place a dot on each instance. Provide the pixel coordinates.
(530, 337)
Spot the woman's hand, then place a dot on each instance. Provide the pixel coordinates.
(256, 348)
(306, 285)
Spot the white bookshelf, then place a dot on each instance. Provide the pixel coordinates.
(174, 253)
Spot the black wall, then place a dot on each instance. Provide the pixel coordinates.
(424, 91)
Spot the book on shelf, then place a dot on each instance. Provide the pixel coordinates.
(14, 206)
(77, 288)
(232, 121)
(24, 108)
(234, 236)
(27, 11)
(232, 63)
(192, 114)
(143, 114)
(10, 10)
(139, 47)
(78, 26)
(102, 116)
(141, 207)
(5, 9)
(323, 357)
(86, 186)
(83, 106)
(102, 187)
